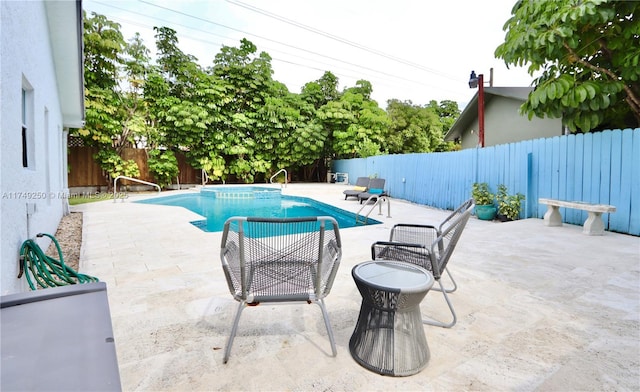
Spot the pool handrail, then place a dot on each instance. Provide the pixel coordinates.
(115, 181)
(379, 202)
(278, 172)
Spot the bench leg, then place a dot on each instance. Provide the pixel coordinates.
(552, 217)
(594, 224)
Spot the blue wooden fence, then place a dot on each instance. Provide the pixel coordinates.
(602, 167)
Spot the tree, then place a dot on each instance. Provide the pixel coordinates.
(179, 69)
(288, 134)
(588, 53)
(413, 128)
(112, 111)
(184, 102)
(135, 112)
(321, 91)
(231, 119)
(246, 76)
(163, 165)
(104, 46)
(364, 88)
(448, 111)
(355, 124)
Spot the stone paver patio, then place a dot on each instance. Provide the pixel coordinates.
(539, 308)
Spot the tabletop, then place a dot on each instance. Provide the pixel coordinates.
(393, 276)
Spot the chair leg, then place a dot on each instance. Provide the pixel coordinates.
(325, 315)
(455, 285)
(234, 329)
(437, 323)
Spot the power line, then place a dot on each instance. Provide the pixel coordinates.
(360, 68)
(286, 61)
(331, 67)
(280, 43)
(339, 39)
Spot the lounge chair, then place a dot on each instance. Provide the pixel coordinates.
(376, 189)
(362, 184)
(429, 247)
(280, 260)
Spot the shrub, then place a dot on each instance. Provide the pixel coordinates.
(163, 166)
(482, 194)
(113, 165)
(509, 205)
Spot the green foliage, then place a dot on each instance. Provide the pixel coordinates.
(113, 165)
(288, 136)
(214, 166)
(414, 128)
(247, 128)
(481, 194)
(185, 106)
(364, 88)
(509, 205)
(355, 122)
(103, 44)
(163, 165)
(367, 148)
(448, 112)
(588, 53)
(232, 119)
(114, 75)
(73, 200)
(321, 91)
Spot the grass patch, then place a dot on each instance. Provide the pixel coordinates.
(89, 197)
(82, 198)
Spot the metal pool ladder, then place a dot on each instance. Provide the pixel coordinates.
(285, 176)
(379, 201)
(115, 181)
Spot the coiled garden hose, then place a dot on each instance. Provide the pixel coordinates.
(45, 271)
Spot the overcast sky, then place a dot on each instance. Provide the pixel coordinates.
(413, 50)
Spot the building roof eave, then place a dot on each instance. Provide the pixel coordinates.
(465, 117)
(66, 31)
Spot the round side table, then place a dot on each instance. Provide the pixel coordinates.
(389, 336)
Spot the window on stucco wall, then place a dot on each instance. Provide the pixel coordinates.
(27, 134)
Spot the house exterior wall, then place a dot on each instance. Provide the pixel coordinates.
(33, 197)
(503, 124)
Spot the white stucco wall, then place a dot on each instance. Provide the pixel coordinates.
(26, 58)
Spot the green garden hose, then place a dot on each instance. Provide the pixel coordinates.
(46, 271)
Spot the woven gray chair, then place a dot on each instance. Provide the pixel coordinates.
(280, 260)
(429, 247)
(362, 184)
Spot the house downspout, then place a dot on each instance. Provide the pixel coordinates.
(481, 110)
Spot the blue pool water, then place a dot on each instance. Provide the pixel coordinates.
(217, 204)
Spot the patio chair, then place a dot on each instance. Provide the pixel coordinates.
(362, 184)
(429, 247)
(280, 260)
(375, 190)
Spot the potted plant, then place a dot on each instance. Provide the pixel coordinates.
(483, 198)
(508, 205)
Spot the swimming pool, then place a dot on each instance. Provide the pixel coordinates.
(217, 204)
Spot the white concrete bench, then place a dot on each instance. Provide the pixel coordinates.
(592, 226)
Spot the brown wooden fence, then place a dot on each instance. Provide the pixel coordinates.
(85, 171)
